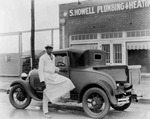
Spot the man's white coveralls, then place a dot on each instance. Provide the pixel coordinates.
(56, 85)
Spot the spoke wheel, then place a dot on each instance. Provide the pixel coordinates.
(95, 103)
(18, 97)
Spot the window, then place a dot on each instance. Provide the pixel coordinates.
(106, 48)
(87, 37)
(120, 35)
(72, 37)
(115, 35)
(117, 57)
(7, 58)
(139, 33)
(103, 36)
(148, 33)
(111, 35)
(97, 56)
(107, 35)
(61, 59)
(132, 34)
(128, 34)
(80, 37)
(84, 37)
(91, 36)
(95, 36)
(76, 38)
(143, 33)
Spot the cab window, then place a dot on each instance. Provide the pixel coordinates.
(97, 56)
(61, 60)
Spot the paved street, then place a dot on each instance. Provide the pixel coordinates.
(139, 110)
(34, 111)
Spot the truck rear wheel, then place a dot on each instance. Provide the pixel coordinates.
(95, 103)
(18, 97)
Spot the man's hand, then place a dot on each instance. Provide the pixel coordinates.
(43, 85)
(57, 69)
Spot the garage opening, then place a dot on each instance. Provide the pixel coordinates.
(139, 54)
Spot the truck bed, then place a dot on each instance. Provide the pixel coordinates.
(123, 73)
(119, 73)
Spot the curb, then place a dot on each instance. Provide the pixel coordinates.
(3, 90)
(144, 101)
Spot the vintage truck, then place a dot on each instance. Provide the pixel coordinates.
(98, 86)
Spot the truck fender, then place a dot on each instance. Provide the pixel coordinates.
(110, 91)
(30, 91)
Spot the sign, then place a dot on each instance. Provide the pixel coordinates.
(109, 8)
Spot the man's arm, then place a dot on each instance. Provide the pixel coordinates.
(41, 70)
(56, 68)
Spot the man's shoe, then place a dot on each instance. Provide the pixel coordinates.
(48, 115)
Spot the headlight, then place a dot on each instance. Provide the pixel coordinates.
(24, 76)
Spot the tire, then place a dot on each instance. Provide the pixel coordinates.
(123, 107)
(95, 103)
(18, 97)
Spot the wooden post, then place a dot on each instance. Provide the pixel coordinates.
(52, 39)
(32, 35)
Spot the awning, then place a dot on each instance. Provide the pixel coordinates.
(138, 45)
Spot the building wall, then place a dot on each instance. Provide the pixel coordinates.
(110, 22)
(131, 19)
(10, 64)
(106, 22)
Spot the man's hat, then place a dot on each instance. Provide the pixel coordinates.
(48, 46)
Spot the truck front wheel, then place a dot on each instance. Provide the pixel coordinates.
(95, 103)
(18, 97)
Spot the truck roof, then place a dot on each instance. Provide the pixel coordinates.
(84, 57)
(75, 50)
(71, 49)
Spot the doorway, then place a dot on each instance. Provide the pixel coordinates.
(140, 57)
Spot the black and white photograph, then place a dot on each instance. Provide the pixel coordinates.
(74, 59)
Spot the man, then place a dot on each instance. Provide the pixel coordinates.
(56, 85)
